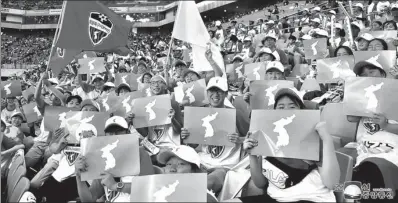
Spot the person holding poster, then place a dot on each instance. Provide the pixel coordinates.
(216, 160)
(302, 180)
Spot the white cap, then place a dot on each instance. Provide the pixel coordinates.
(183, 152)
(218, 82)
(218, 23)
(322, 32)
(357, 24)
(338, 25)
(366, 36)
(53, 80)
(332, 12)
(248, 38)
(276, 65)
(270, 22)
(306, 9)
(305, 37)
(109, 84)
(17, 113)
(267, 51)
(359, 5)
(97, 76)
(237, 57)
(116, 120)
(317, 9)
(317, 20)
(271, 35)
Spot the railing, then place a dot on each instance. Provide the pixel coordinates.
(18, 66)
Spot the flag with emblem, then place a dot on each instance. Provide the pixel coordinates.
(210, 126)
(60, 58)
(11, 88)
(286, 133)
(117, 155)
(170, 188)
(189, 27)
(315, 48)
(255, 71)
(366, 96)
(264, 92)
(128, 78)
(31, 112)
(331, 70)
(91, 65)
(53, 115)
(108, 103)
(151, 111)
(67, 163)
(192, 94)
(382, 59)
(90, 25)
(124, 104)
(235, 72)
(28, 92)
(83, 124)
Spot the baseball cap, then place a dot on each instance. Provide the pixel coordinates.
(275, 65)
(356, 24)
(317, 9)
(17, 114)
(322, 32)
(187, 71)
(90, 102)
(123, 85)
(332, 12)
(305, 37)
(219, 82)
(116, 121)
(237, 57)
(74, 97)
(97, 76)
(366, 36)
(338, 25)
(109, 84)
(183, 152)
(53, 81)
(271, 35)
(248, 38)
(370, 62)
(359, 5)
(218, 23)
(290, 92)
(157, 77)
(317, 20)
(270, 22)
(267, 51)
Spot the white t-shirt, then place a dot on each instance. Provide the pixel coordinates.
(311, 188)
(6, 114)
(43, 134)
(91, 95)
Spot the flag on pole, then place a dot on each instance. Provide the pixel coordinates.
(89, 25)
(60, 58)
(189, 27)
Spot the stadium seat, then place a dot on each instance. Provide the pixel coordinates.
(346, 167)
(337, 123)
(12, 180)
(20, 189)
(16, 161)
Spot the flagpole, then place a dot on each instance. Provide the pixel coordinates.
(56, 34)
(168, 61)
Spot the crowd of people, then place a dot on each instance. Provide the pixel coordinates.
(55, 166)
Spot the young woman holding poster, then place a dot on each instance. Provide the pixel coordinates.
(305, 181)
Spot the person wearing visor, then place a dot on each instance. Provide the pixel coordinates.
(265, 55)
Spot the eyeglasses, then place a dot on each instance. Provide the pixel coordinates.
(157, 83)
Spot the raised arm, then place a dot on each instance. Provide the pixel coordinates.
(55, 91)
(209, 56)
(39, 101)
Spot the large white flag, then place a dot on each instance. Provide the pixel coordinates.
(189, 27)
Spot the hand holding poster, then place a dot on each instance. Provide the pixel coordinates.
(366, 96)
(91, 65)
(210, 126)
(151, 111)
(315, 48)
(11, 88)
(194, 93)
(170, 188)
(117, 154)
(334, 69)
(263, 92)
(286, 133)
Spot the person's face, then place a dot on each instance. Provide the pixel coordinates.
(371, 72)
(269, 42)
(216, 97)
(285, 103)
(73, 103)
(375, 45)
(342, 52)
(147, 79)
(211, 34)
(158, 86)
(141, 69)
(274, 75)
(24, 101)
(191, 77)
(11, 104)
(376, 26)
(177, 165)
(355, 31)
(389, 26)
(266, 57)
(123, 91)
(16, 121)
(115, 130)
(98, 84)
(89, 108)
(179, 69)
(363, 45)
